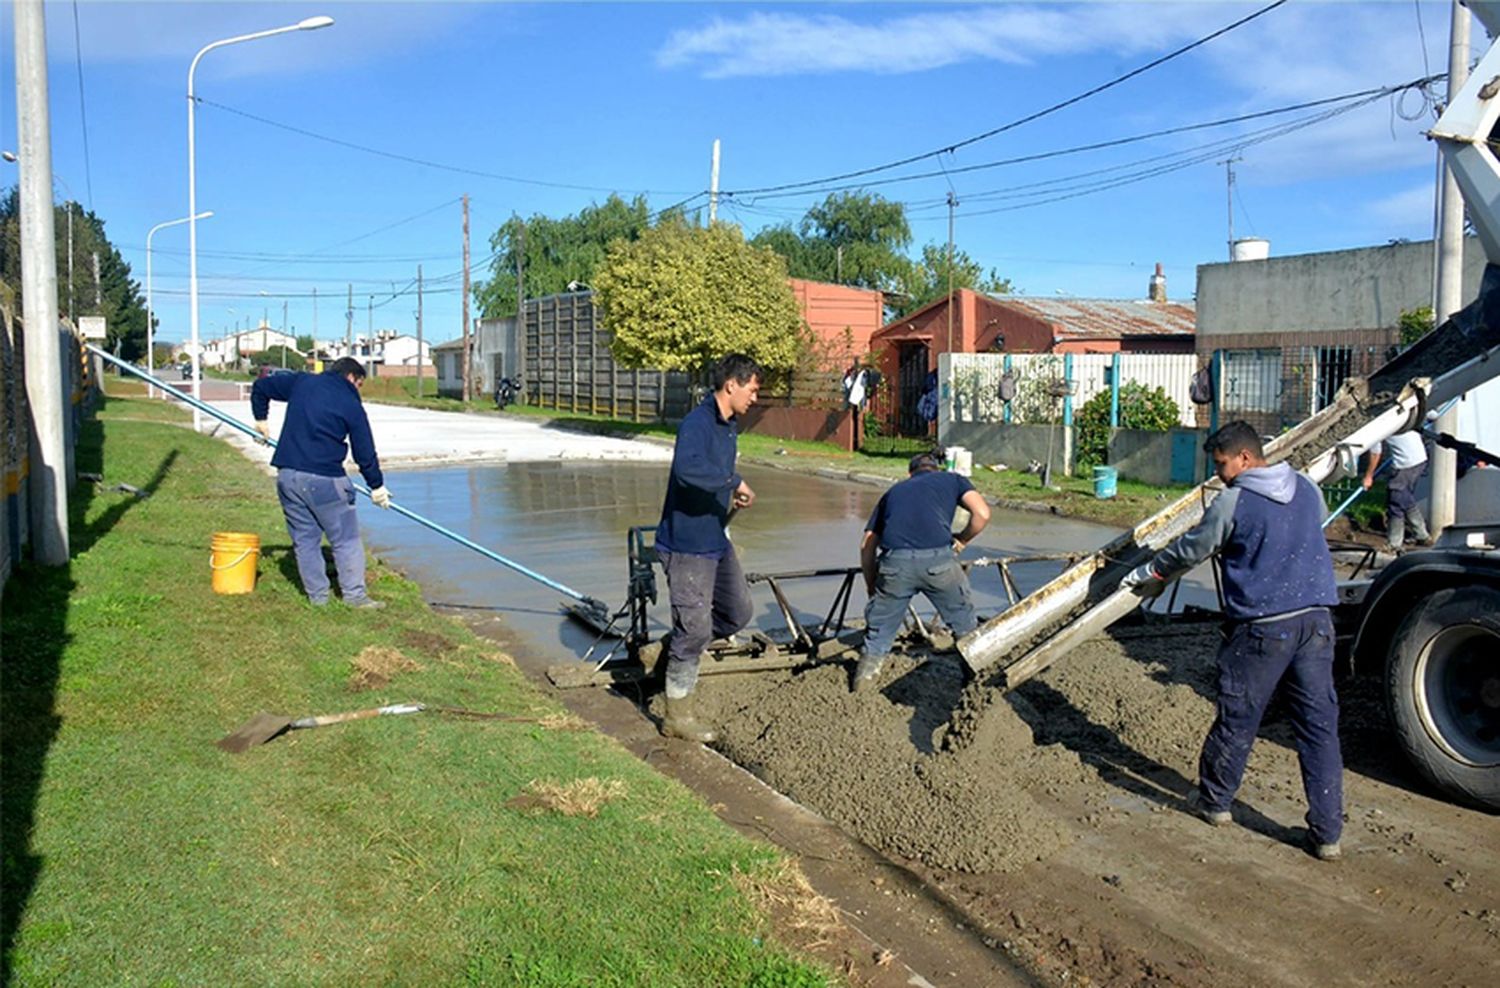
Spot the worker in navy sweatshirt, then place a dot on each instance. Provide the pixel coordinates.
(710, 598)
(1266, 529)
(323, 412)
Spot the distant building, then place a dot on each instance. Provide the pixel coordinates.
(448, 359)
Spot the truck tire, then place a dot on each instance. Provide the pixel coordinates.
(1443, 691)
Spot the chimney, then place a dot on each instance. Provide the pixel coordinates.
(1158, 290)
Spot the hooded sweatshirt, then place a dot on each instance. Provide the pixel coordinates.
(1267, 529)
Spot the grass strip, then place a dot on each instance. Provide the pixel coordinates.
(426, 849)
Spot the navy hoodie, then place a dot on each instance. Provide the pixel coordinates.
(1268, 530)
(696, 508)
(322, 411)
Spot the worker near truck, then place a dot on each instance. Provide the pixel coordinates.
(1266, 529)
(1408, 457)
(709, 596)
(908, 548)
(323, 412)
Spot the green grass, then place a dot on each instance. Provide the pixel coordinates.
(375, 852)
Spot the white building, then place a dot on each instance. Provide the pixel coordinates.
(401, 349)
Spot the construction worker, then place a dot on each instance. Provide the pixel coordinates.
(1266, 529)
(317, 498)
(909, 548)
(1408, 456)
(709, 595)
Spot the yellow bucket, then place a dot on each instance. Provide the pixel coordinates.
(233, 561)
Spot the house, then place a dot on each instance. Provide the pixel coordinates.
(842, 319)
(254, 341)
(907, 348)
(448, 359)
(396, 355)
(1283, 333)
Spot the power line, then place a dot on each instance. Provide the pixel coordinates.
(1030, 117)
(88, 172)
(411, 160)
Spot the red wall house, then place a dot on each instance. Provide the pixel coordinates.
(831, 310)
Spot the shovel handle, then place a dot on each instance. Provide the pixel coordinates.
(325, 719)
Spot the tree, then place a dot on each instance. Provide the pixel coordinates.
(306, 343)
(555, 252)
(860, 239)
(679, 297)
(281, 356)
(1415, 324)
(115, 295)
(932, 283)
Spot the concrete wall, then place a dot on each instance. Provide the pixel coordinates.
(1335, 291)
(1172, 457)
(1013, 445)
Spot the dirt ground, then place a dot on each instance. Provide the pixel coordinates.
(1051, 820)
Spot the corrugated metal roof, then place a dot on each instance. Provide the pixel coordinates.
(1102, 318)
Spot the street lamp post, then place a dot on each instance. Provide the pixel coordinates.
(151, 312)
(309, 24)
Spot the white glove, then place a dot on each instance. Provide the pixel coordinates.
(264, 428)
(1143, 581)
(381, 497)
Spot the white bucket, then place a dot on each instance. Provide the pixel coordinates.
(963, 462)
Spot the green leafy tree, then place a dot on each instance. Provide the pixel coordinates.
(306, 343)
(115, 296)
(1140, 408)
(1415, 324)
(280, 356)
(557, 252)
(931, 282)
(678, 297)
(860, 239)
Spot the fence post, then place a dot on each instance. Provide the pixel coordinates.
(1114, 391)
(1005, 406)
(1068, 398)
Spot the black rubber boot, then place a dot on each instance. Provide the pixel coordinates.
(681, 722)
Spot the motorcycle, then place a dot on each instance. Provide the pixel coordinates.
(506, 392)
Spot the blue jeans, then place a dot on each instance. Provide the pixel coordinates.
(1296, 651)
(315, 506)
(710, 599)
(902, 574)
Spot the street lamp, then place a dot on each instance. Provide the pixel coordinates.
(310, 24)
(150, 312)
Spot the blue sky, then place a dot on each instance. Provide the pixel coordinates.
(547, 107)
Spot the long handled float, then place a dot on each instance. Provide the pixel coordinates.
(590, 610)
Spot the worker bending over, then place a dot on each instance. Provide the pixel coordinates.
(909, 548)
(1408, 456)
(317, 497)
(710, 598)
(1266, 528)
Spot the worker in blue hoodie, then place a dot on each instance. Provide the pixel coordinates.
(317, 498)
(1266, 529)
(710, 598)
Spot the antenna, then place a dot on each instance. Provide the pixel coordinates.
(1228, 164)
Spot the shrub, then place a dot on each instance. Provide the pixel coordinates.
(1140, 408)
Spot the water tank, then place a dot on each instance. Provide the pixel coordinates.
(1251, 249)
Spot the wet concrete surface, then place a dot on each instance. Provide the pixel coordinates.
(569, 521)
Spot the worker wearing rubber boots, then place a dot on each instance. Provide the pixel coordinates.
(317, 498)
(1266, 529)
(1408, 456)
(909, 548)
(709, 595)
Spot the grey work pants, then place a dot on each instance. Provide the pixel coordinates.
(315, 506)
(710, 599)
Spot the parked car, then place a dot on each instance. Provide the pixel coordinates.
(266, 370)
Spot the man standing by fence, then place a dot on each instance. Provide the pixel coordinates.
(710, 598)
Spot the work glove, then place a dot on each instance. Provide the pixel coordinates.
(381, 497)
(1143, 581)
(264, 428)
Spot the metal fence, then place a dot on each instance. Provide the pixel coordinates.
(1051, 386)
(1275, 387)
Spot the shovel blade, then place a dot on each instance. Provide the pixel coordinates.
(257, 730)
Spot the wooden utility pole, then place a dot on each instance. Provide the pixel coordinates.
(713, 187)
(349, 324)
(468, 388)
(419, 330)
(517, 373)
(952, 205)
(284, 332)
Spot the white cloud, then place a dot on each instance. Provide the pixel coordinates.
(1408, 209)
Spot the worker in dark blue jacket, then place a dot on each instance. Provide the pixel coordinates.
(909, 548)
(323, 412)
(1267, 531)
(710, 598)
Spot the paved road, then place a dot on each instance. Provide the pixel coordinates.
(419, 437)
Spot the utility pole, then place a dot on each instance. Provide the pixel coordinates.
(349, 324)
(419, 330)
(713, 187)
(468, 390)
(48, 451)
(838, 264)
(98, 296)
(315, 317)
(1450, 288)
(1228, 164)
(283, 332)
(952, 205)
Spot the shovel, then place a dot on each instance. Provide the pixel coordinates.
(264, 727)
